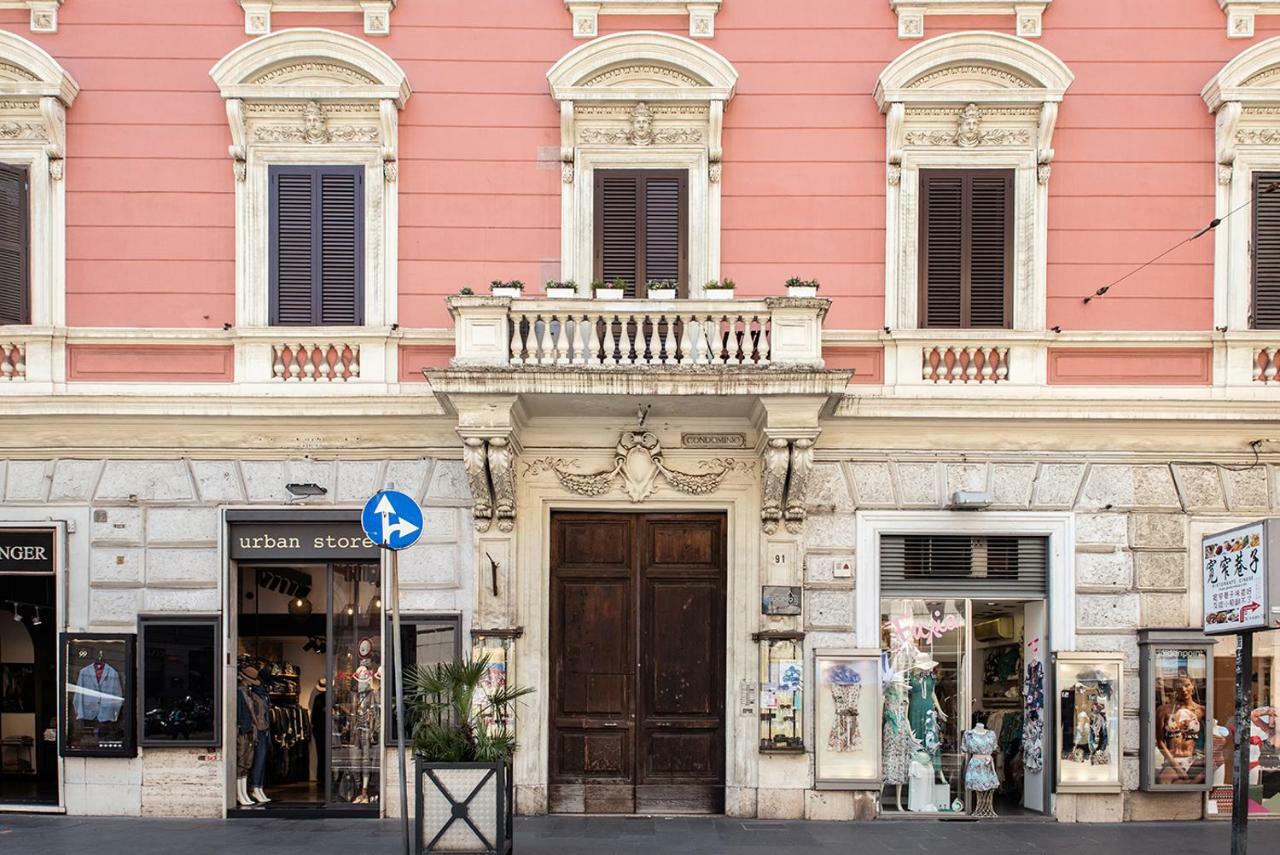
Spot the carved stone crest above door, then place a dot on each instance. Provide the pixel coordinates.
(637, 467)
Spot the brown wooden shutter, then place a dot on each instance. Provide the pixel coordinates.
(317, 245)
(1265, 314)
(966, 248)
(641, 227)
(14, 237)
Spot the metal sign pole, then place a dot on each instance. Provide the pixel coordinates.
(398, 676)
(1240, 768)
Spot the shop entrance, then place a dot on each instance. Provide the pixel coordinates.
(28, 673)
(637, 651)
(309, 666)
(958, 665)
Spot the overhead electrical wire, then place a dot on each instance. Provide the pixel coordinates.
(1213, 224)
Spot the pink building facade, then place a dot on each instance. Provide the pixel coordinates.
(257, 260)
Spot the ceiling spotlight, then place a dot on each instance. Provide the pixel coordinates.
(305, 491)
(17, 616)
(35, 621)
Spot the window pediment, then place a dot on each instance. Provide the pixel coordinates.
(911, 13)
(376, 13)
(633, 66)
(974, 66)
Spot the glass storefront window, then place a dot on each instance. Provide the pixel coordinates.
(500, 646)
(179, 681)
(98, 692)
(923, 660)
(427, 641)
(781, 691)
(846, 717)
(1089, 701)
(356, 698)
(1264, 727)
(1176, 703)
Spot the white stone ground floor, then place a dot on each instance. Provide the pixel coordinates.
(145, 534)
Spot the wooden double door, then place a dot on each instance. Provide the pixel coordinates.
(637, 663)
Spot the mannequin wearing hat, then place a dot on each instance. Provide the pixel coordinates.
(252, 735)
(924, 710)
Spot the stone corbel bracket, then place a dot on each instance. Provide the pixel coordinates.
(1044, 139)
(490, 465)
(586, 14)
(787, 463)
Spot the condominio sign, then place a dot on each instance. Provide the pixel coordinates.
(27, 550)
(1241, 570)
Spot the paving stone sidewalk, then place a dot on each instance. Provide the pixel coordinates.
(562, 835)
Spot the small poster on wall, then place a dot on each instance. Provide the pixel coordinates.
(847, 719)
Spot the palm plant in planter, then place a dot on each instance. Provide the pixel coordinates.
(463, 744)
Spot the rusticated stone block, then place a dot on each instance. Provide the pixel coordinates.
(1107, 611)
(1057, 484)
(965, 476)
(1124, 486)
(183, 567)
(1110, 529)
(1165, 610)
(408, 476)
(74, 480)
(831, 531)
(1126, 644)
(358, 479)
(448, 481)
(872, 484)
(828, 492)
(1200, 487)
(918, 484)
(218, 481)
(1111, 569)
(1012, 483)
(115, 567)
(829, 805)
(1158, 531)
(27, 480)
(183, 525)
(1246, 488)
(1166, 570)
(829, 610)
(117, 525)
(145, 481)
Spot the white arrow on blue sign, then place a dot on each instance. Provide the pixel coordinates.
(392, 519)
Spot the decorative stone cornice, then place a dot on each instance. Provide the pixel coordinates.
(702, 14)
(377, 13)
(35, 92)
(911, 13)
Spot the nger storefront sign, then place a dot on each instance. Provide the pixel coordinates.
(1241, 569)
(27, 550)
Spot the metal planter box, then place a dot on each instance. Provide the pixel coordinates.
(463, 807)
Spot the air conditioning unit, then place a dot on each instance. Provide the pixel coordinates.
(994, 629)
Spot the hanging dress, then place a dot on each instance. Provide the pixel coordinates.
(980, 773)
(844, 734)
(897, 733)
(923, 715)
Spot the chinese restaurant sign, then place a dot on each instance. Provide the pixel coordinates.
(1239, 580)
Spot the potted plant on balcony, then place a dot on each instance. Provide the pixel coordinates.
(719, 289)
(615, 290)
(506, 289)
(797, 287)
(565, 290)
(660, 289)
(463, 743)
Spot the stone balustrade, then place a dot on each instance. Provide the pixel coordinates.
(1266, 364)
(501, 331)
(945, 363)
(323, 362)
(13, 361)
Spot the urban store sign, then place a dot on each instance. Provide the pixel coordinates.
(1240, 569)
(310, 541)
(27, 550)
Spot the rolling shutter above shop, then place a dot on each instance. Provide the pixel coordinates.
(916, 565)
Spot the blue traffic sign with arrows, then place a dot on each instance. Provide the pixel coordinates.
(392, 520)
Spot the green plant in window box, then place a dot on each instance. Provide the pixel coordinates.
(565, 290)
(466, 292)
(660, 289)
(614, 290)
(506, 289)
(797, 287)
(719, 289)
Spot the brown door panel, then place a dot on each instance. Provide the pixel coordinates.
(637, 659)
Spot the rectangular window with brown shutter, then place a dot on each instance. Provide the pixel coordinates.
(317, 245)
(15, 231)
(641, 228)
(1264, 311)
(966, 248)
